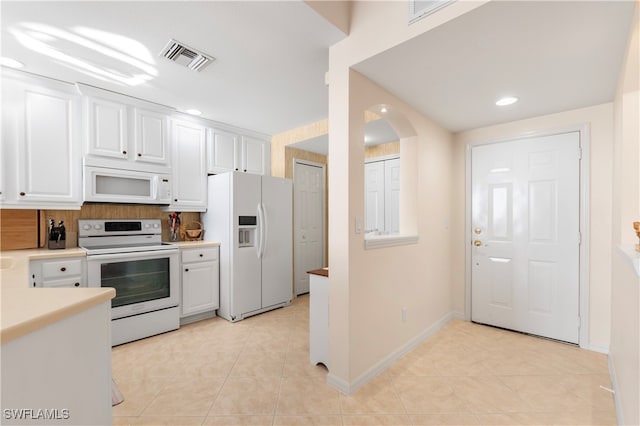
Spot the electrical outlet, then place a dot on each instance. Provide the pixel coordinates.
(405, 314)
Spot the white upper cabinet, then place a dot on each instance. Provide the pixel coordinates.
(189, 167)
(150, 130)
(221, 151)
(255, 156)
(125, 129)
(227, 152)
(107, 126)
(41, 145)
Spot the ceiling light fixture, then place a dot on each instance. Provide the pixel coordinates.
(193, 111)
(11, 63)
(507, 100)
(383, 110)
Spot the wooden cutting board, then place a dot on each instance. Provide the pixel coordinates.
(18, 229)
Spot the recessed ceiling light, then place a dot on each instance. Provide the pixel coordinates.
(383, 110)
(193, 111)
(11, 63)
(507, 100)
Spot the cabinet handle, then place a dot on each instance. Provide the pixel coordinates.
(186, 270)
(22, 194)
(175, 200)
(236, 169)
(201, 255)
(77, 284)
(63, 269)
(124, 152)
(245, 170)
(139, 155)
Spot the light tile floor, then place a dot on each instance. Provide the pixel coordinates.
(257, 372)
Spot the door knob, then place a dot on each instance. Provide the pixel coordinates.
(477, 243)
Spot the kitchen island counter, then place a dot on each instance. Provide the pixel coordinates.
(14, 264)
(56, 355)
(24, 310)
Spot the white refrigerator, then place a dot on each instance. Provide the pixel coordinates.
(252, 218)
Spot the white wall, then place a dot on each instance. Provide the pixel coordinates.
(600, 120)
(624, 355)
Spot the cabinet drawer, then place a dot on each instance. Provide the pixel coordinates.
(72, 282)
(61, 269)
(199, 255)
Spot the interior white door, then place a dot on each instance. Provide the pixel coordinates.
(374, 196)
(526, 235)
(309, 222)
(392, 196)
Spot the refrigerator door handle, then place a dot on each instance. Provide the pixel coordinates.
(265, 231)
(260, 230)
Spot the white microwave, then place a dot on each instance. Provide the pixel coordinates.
(107, 185)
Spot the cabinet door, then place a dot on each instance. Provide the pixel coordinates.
(107, 125)
(189, 171)
(255, 156)
(199, 288)
(48, 147)
(150, 135)
(221, 152)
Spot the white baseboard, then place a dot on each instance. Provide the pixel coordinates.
(596, 348)
(616, 396)
(350, 388)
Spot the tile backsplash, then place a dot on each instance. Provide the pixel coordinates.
(108, 211)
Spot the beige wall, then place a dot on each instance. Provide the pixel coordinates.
(368, 288)
(624, 354)
(600, 121)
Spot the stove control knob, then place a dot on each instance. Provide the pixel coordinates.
(146, 225)
(97, 226)
(155, 225)
(86, 227)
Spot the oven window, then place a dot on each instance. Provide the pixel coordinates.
(137, 281)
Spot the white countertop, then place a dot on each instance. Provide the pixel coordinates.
(14, 264)
(24, 310)
(193, 244)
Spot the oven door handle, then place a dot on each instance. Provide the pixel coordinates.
(124, 256)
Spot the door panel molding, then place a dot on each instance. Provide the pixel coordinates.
(584, 170)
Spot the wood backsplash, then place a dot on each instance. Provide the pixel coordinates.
(96, 211)
(18, 229)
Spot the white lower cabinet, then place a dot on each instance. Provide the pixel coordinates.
(60, 272)
(200, 281)
(319, 318)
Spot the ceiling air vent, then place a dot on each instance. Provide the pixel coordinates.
(187, 56)
(418, 9)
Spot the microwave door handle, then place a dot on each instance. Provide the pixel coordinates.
(156, 187)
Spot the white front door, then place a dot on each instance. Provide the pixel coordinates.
(308, 215)
(526, 235)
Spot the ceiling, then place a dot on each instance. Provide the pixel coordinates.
(271, 57)
(268, 76)
(553, 55)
